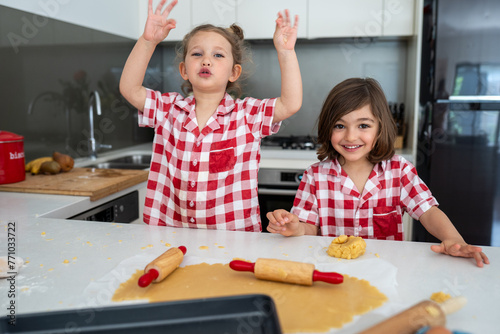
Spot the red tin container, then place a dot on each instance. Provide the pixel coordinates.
(11, 157)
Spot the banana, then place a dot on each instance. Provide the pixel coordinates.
(28, 166)
(34, 165)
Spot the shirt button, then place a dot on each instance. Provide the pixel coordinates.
(191, 220)
(198, 143)
(193, 184)
(191, 204)
(195, 162)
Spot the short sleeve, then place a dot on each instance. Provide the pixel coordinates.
(260, 114)
(305, 205)
(415, 195)
(155, 107)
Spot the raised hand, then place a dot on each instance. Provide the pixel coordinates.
(158, 25)
(461, 249)
(285, 34)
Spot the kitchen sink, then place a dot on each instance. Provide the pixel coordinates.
(135, 161)
(138, 159)
(118, 165)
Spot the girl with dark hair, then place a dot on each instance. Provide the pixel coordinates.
(360, 187)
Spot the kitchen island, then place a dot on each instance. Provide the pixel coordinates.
(75, 264)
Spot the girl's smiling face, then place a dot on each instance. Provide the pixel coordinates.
(209, 63)
(355, 134)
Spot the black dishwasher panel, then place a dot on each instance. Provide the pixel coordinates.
(124, 209)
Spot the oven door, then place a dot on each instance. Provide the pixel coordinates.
(271, 199)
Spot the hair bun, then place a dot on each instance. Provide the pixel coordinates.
(236, 29)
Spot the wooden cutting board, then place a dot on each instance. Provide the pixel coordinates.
(92, 182)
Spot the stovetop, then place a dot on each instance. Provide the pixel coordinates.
(288, 152)
(290, 142)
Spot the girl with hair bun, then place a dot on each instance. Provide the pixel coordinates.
(205, 160)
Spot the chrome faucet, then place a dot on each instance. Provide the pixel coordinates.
(93, 146)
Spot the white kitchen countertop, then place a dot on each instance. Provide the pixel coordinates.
(407, 272)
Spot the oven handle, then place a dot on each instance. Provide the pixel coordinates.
(267, 191)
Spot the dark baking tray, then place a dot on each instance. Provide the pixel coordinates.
(236, 314)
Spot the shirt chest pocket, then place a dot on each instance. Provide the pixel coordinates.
(385, 221)
(222, 156)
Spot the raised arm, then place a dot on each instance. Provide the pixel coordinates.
(439, 225)
(156, 30)
(284, 39)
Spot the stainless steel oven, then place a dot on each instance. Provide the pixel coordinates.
(287, 157)
(277, 188)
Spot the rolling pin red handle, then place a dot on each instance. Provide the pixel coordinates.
(239, 265)
(332, 278)
(148, 277)
(153, 274)
(183, 249)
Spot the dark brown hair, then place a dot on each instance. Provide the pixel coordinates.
(240, 51)
(350, 95)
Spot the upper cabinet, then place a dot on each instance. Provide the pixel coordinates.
(360, 18)
(258, 17)
(340, 18)
(218, 12)
(398, 17)
(317, 18)
(118, 17)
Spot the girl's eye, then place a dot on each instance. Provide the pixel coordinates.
(338, 126)
(364, 126)
(218, 55)
(196, 54)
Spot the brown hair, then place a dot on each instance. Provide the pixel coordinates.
(239, 49)
(350, 95)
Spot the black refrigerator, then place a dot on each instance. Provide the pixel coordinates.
(458, 134)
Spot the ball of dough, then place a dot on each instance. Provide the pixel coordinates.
(347, 247)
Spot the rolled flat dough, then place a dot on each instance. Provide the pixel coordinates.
(315, 308)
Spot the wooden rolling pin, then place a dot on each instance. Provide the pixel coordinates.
(162, 266)
(425, 313)
(286, 271)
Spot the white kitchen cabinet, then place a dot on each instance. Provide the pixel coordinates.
(117, 17)
(216, 12)
(340, 18)
(398, 17)
(317, 18)
(257, 17)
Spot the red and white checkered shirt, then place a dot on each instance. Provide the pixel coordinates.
(328, 198)
(208, 179)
